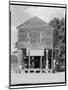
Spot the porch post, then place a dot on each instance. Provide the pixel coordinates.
(46, 59)
(20, 59)
(52, 60)
(29, 57)
(40, 62)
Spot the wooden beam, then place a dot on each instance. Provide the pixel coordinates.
(46, 59)
(19, 59)
(41, 62)
(29, 58)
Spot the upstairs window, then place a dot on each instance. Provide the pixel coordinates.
(23, 36)
(35, 37)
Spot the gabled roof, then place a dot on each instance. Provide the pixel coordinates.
(34, 23)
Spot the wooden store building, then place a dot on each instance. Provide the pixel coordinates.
(35, 46)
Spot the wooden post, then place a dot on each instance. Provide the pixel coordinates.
(29, 58)
(20, 59)
(46, 59)
(52, 60)
(40, 62)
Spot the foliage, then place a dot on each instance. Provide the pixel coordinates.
(59, 39)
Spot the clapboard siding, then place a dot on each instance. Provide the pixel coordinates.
(35, 33)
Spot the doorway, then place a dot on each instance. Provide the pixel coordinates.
(35, 62)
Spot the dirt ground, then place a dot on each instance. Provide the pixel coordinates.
(23, 78)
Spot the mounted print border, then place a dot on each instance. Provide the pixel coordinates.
(37, 44)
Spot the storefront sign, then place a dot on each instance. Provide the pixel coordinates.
(34, 52)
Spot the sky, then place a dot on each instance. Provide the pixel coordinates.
(20, 14)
